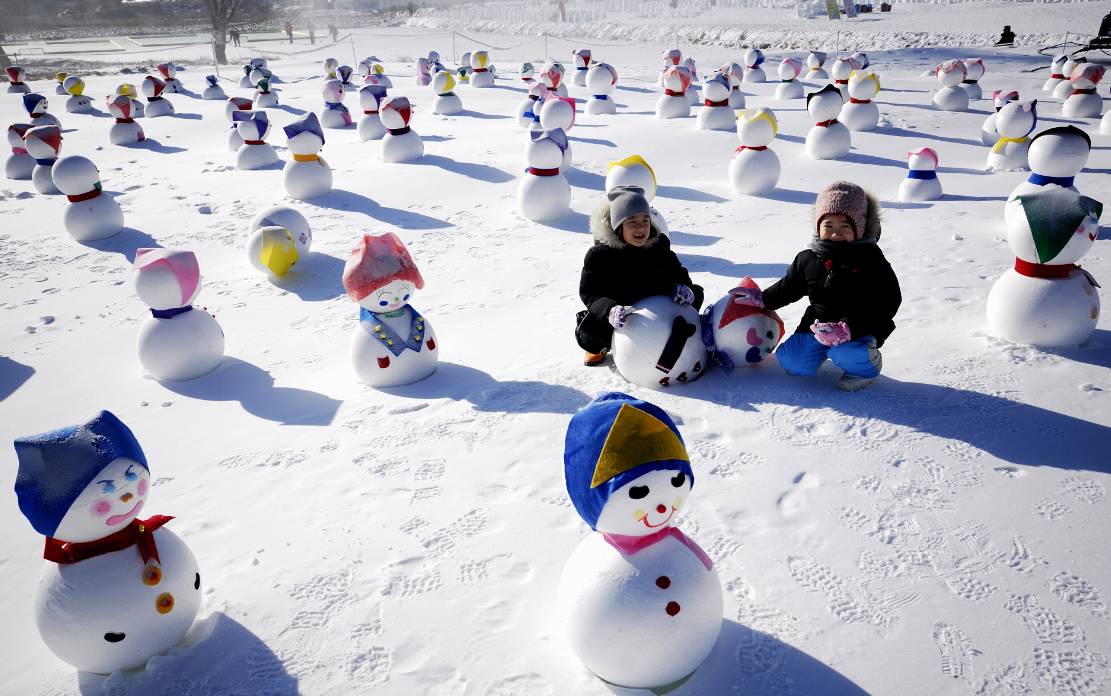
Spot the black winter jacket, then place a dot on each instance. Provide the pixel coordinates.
(854, 284)
(624, 276)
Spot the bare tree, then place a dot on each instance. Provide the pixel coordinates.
(220, 13)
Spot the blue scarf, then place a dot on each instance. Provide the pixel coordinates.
(1042, 180)
(170, 313)
(386, 336)
(921, 174)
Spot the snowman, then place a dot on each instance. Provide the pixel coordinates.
(90, 215)
(754, 58)
(287, 218)
(169, 77)
(951, 96)
(694, 92)
(815, 62)
(116, 590)
(672, 57)
(233, 105)
(480, 64)
(1064, 87)
(60, 78)
(306, 175)
(178, 341)
(278, 238)
(1046, 299)
(921, 183)
(974, 70)
(424, 77)
(37, 108)
(19, 165)
(157, 105)
(17, 80)
(737, 330)
(77, 103)
(860, 113)
(245, 81)
(264, 97)
(392, 345)
(125, 131)
(401, 143)
(601, 81)
(558, 113)
(989, 134)
(1056, 74)
(635, 171)
(44, 143)
(673, 103)
(255, 152)
(526, 72)
(380, 73)
(335, 114)
(552, 77)
(370, 124)
(1056, 156)
(330, 65)
(1014, 123)
(447, 101)
(841, 71)
(754, 169)
(544, 193)
(716, 114)
(829, 138)
(736, 73)
(659, 344)
(528, 111)
(639, 602)
(344, 73)
(789, 87)
(1083, 102)
(582, 66)
(213, 91)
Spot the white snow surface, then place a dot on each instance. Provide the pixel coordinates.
(942, 532)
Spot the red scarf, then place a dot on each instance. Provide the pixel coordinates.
(628, 545)
(749, 147)
(138, 533)
(543, 172)
(673, 93)
(826, 124)
(88, 195)
(854, 100)
(723, 102)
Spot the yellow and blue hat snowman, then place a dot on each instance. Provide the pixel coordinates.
(614, 440)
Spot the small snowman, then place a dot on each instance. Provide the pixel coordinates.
(37, 108)
(974, 70)
(245, 81)
(1056, 74)
(552, 77)
(527, 71)
(754, 169)
(279, 237)
(392, 345)
(1046, 299)
(401, 143)
(989, 134)
(582, 66)
(264, 97)
(233, 105)
(330, 65)
(480, 64)
(60, 78)
(17, 80)
(335, 114)
(737, 330)
(635, 171)
(601, 81)
(424, 77)
(290, 219)
(789, 86)
(306, 175)
(841, 71)
(116, 590)
(558, 113)
(1083, 102)
(370, 124)
(125, 131)
(672, 57)
(157, 105)
(951, 96)
(1014, 123)
(363, 68)
(379, 72)
(639, 602)
(168, 71)
(344, 73)
(754, 58)
(128, 90)
(673, 103)
(660, 344)
(77, 103)
(829, 138)
(716, 114)
(1064, 87)
(212, 90)
(90, 215)
(736, 74)
(815, 62)
(528, 111)
(19, 165)
(544, 193)
(860, 113)
(447, 101)
(178, 341)
(921, 183)
(255, 152)
(1056, 156)
(44, 143)
(694, 92)
(860, 60)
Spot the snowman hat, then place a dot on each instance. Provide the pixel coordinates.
(739, 308)
(308, 123)
(1054, 216)
(612, 441)
(211, 79)
(55, 467)
(31, 102)
(1068, 131)
(377, 261)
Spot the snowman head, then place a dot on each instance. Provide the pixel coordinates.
(166, 278)
(753, 58)
(672, 56)
(330, 65)
(1058, 226)
(924, 158)
(35, 104)
(842, 68)
(625, 466)
(305, 136)
(951, 73)
(16, 131)
(74, 85)
(601, 78)
(757, 127)
(1059, 152)
(975, 68)
(824, 104)
(1017, 119)
(815, 59)
(734, 72)
(119, 106)
(371, 97)
(863, 84)
(632, 171)
(789, 68)
(84, 482)
(527, 69)
(557, 112)
(716, 88)
(380, 275)
(332, 91)
(443, 83)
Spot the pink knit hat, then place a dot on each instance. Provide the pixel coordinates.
(842, 198)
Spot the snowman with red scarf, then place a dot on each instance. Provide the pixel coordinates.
(640, 603)
(392, 344)
(116, 590)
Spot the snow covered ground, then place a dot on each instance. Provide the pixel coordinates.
(942, 532)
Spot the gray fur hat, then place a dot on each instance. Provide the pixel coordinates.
(625, 202)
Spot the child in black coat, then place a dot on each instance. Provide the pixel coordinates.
(630, 260)
(853, 292)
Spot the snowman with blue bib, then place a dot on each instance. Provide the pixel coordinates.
(116, 590)
(640, 603)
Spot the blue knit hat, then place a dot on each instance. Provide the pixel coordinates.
(55, 467)
(612, 441)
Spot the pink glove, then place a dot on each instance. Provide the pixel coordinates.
(617, 315)
(753, 297)
(831, 333)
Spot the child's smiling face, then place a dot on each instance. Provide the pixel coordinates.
(836, 228)
(635, 230)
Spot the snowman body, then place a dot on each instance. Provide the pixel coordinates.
(375, 360)
(1013, 122)
(157, 105)
(951, 96)
(659, 344)
(543, 193)
(90, 215)
(213, 91)
(125, 131)
(601, 81)
(716, 114)
(829, 138)
(77, 103)
(1105, 124)
(674, 103)
(306, 175)
(19, 165)
(334, 114)
(245, 81)
(44, 144)
(921, 183)
(754, 168)
(60, 88)
(370, 124)
(860, 113)
(1063, 88)
(789, 87)
(400, 143)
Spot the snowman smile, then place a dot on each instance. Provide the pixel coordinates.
(654, 526)
(116, 519)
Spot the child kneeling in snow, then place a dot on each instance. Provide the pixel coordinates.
(630, 260)
(853, 292)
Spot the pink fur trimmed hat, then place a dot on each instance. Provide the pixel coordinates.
(843, 198)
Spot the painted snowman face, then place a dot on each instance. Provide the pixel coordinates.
(646, 504)
(108, 503)
(388, 298)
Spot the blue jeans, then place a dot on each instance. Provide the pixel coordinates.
(802, 354)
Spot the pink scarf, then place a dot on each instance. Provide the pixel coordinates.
(628, 545)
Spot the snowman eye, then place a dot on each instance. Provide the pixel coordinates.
(406, 298)
(678, 479)
(113, 637)
(107, 486)
(130, 475)
(770, 335)
(383, 303)
(638, 492)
